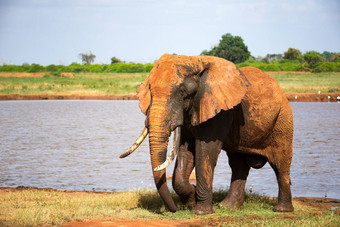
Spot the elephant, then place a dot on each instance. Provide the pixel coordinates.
(212, 105)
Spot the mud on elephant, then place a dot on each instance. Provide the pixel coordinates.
(212, 105)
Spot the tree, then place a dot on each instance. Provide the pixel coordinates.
(335, 57)
(313, 57)
(36, 68)
(75, 67)
(327, 55)
(87, 58)
(231, 48)
(115, 60)
(292, 54)
(51, 68)
(206, 52)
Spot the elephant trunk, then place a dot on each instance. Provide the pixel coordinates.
(158, 138)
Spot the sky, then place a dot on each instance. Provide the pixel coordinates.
(57, 31)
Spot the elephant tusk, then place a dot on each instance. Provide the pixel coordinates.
(136, 144)
(173, 153)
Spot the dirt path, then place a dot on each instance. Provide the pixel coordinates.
(22, 74)
(133, 223)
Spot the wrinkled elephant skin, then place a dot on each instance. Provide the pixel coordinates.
(217, 106)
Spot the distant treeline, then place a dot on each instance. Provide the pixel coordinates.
(231, 48)
(78, 68)
(292, 65)
(274, 65)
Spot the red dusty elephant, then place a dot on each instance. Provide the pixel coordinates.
(212, 105)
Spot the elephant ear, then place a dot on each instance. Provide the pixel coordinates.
(144, 96)
(221, 87)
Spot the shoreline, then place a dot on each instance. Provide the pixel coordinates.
(49, 189)
(52, 207)
(291, 96)
(25, 188)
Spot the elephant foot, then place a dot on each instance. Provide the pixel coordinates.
(233, 205)
(189, 201)
(231, 202)
(283, 207)
(202, 209)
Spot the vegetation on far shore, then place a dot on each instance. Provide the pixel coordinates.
(124, 84)
(82, 84)
(328, 82)
(266, 64)
(37, 207)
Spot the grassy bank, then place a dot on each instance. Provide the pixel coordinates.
(123, 84)
(33, 207)
(82, 84)
(328, 82)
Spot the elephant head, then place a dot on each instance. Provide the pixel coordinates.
(184, 88)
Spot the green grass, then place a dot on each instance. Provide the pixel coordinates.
(117, 84)
(94, 75)
(81, 84)
(311, 82)
(32, 207)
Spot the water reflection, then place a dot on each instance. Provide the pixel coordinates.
(76, 145)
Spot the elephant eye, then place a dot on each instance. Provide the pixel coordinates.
(190, 86)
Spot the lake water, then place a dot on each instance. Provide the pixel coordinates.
(75, 145)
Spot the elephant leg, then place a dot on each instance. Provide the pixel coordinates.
(282, 172)
(240, 170)
(183, 168)
(205, 161)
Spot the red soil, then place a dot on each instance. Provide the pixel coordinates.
(22, 74)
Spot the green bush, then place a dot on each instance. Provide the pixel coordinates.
(327, 67)
(121, 68)
(96, 68)
(34, 68)
(61, 68)
(148, 67)
(133, 67)
(246, 63)
(75, 68)
(335, 57)
(9, 68)
(51, 68)
(270, 67)
(292, 54)
(337, 66)
(282, 65)
(128, 68)
(313, 57)
(290, 66)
